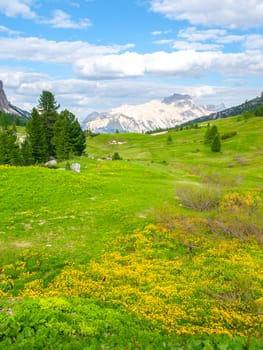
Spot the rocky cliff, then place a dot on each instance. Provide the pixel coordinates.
(7, 107)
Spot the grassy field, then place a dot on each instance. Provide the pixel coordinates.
(159, 250)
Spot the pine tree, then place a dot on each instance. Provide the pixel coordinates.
(9, 148)
(61, 138)
(216, 144)
(77, 135)
(47, 108)
(36, 136)
(210, 134)
(27, 153)
(47, 102)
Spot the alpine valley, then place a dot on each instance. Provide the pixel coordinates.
(153, 115)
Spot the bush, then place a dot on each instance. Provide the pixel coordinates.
(239, 216)
(228, 135)
(216, 144)
(210, 134)
(116, 156)
(199, 198)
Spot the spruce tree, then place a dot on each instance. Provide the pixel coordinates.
(27, 153)
(9, 148)
(36, 136)
(47, 108)
(61, 138)
(210, 134)
(216, 144)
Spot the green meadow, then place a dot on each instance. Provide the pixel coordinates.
(159, 250)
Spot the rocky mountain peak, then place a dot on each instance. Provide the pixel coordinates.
(4, 104)
(7, 107)
(156, 114)
(175, 98)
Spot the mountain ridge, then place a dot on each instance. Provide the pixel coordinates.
(9, 108)
(155, 114)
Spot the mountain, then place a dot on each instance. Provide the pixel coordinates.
(248, 105)
(7, 107)
(156, 114)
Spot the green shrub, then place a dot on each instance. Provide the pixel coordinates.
(116, 156)
(239, 216)
(216, 144)
(198, 197)
(228, 135)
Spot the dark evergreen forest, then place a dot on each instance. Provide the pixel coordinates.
(49, 134)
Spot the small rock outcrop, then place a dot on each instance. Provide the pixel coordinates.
(75, 167)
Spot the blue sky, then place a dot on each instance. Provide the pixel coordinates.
(98, 54)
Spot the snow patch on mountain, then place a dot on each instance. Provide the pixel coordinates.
(156, 114)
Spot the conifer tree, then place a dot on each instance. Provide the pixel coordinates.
(36, 136)
(9, 148)
(61, 138)
(27, 153)
(216, 144)
(47, 108)
(210, 134)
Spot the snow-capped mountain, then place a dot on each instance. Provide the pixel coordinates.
(156, 114)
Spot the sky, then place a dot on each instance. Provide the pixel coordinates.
(94, 55)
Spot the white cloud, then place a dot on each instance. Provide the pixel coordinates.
(62, 20)
(217, 35)
(83, 96)
(228, 13)
(254, 42)
(175, 64)
(184, 45)
(202, 40)
(108, 66)
(43, 50)
(15, 8)
(9, 31)
(160, 32)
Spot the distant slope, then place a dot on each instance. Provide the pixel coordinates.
(156, 114)
(248, 105)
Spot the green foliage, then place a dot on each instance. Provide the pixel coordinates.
(247, 115)
(53, 134)
(116, 156)
(239, 216)
(9, 149)
(47, 102)
(228, 135)
(259, 111)
(198, 197)
(210, 134)
(169, 140)
(36, 137)
(90, 271)
(216, 144)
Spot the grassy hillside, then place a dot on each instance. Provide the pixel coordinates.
(160, 250)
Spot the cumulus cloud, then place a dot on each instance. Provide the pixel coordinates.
(84, 96)
(228, 13)
(16, 8)
(43, 50)
(175, 64)
(129, 64)
(62, 20)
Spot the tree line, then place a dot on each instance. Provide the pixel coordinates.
(49, 134)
